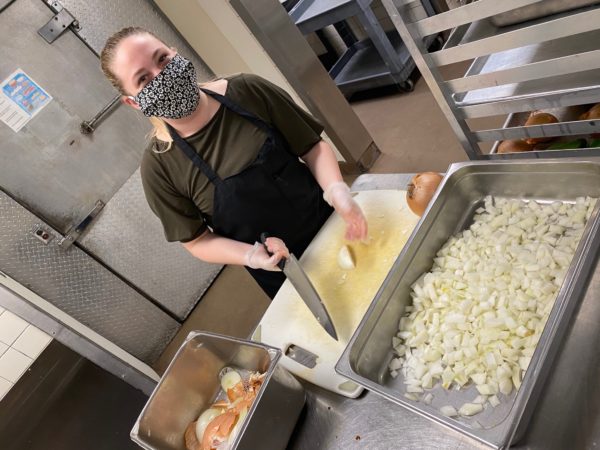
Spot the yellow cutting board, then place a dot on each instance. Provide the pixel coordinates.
(346, 293)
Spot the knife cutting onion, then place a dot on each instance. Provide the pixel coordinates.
(478, 314)
(420, 190)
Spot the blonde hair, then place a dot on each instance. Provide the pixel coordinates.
(159, 131)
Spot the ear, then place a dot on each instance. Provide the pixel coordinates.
(129, 101)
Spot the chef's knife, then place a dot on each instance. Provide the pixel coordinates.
(294, 272)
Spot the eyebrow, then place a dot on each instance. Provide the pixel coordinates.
(139, 71)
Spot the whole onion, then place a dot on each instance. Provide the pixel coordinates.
(540, 118)
(592, 114)
(515, 146)
(420, 190)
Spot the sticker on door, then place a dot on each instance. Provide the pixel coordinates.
(21, 99)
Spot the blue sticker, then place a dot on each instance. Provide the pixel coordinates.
(25, 93)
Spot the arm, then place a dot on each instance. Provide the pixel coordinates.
(323, 164)
(212, 248)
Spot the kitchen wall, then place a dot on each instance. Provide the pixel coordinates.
(20, 344)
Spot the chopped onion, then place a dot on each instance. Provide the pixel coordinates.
(470, 409)
(480, 400)
(478, 314)
(494, 401)
(448, 411)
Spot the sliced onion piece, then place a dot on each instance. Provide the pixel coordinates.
(229, 379)
(470, 409)
(205, 418)
(448, 411)
(346, 259)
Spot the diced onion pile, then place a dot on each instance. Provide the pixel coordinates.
(478, 314)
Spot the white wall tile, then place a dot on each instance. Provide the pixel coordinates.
(3, 348)
(5, 386)
(13, 364)
(11, 326)
(32, 341)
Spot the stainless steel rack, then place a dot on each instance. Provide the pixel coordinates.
(552, 62)
(380, 60)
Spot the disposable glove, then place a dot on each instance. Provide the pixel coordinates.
(338, 195)
(258, 258)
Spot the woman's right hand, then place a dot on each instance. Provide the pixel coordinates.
(258, 257)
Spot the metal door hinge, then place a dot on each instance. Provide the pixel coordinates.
(59, 23)
(74, 233)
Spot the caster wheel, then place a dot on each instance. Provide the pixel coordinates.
(408, 85)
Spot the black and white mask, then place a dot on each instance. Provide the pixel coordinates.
(173, 93)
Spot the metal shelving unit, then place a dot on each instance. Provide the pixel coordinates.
(551, 63)
(380, 60)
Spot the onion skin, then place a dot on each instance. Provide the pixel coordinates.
(540, 118)
(420, 190)
(516, 146)
(190, 439)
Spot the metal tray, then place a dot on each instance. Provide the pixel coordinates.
(366, 358)
(191, 383)
(566, 114)
(539, 10)
(578, 43)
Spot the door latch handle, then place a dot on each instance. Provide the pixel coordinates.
(73, 234)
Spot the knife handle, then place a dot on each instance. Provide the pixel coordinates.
(263, 241)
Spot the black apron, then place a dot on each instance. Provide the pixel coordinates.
(276, 194)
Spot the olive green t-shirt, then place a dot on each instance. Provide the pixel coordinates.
(178, 192)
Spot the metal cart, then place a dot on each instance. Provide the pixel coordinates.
(549, 63)
(380, 60)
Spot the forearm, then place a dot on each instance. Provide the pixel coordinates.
(217, 249)
(323, 164)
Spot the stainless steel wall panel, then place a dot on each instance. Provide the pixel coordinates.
(80, 286)
(98, 20)
(165, 271)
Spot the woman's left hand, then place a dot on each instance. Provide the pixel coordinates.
(338, 195)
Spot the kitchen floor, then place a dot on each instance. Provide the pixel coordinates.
(413, 136)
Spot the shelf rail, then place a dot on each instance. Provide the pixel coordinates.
(474, 36)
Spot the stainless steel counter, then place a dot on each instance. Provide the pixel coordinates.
(567, 417)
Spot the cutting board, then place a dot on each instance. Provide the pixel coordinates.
(346, 293)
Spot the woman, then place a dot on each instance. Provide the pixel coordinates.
(224, 161)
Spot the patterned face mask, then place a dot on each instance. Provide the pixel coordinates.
(173, 93)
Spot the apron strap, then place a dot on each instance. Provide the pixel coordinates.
(193, 155)
(239, 110)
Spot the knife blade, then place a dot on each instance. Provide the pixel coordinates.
(294, 272)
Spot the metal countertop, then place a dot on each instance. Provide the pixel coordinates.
(567, 416)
